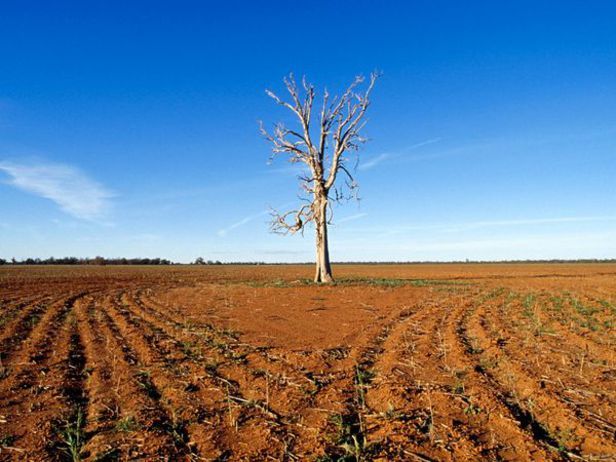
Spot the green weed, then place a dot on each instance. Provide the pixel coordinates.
(73, 436)
(127, 425)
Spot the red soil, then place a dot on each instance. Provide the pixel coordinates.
(409, 362)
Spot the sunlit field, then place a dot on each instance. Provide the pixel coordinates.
(409, 362)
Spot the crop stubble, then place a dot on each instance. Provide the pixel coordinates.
(406, 362)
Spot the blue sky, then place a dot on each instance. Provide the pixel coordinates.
(130, 128)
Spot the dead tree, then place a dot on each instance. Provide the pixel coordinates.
(325, 152)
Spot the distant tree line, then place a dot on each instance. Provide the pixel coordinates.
(202, 261)
(87, 261)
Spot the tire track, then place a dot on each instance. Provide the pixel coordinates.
(257, 376)
(47, 382)
(246, 364)
(351, 427)
(451, 415)
(533, 409)
(138, 388)
(12, 308)
(577, 361)
(169, 351)
(539, 402)
(439, 418)
(17, 330)
(559, 310)
(106, 421)
(335, 389)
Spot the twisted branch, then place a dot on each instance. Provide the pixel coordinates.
(340, 122)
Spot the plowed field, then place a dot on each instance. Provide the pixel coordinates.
(414, 362)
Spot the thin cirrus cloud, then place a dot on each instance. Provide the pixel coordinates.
(357, 216)
(530, 221)
(452, 228)
(72, 190)
(374, 161)
(247, 219)
(224, 231)
(388, 156)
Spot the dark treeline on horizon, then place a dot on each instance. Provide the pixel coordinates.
(413, 262)
(87, 261)
(200, 261)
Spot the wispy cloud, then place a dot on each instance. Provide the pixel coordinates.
(525, 222)
(572, 245)
(402, 229)
(72, 190)
(423, 143)
(224, 231)
(523, 245)
(357, 216)
(373, 162)
(300, 168)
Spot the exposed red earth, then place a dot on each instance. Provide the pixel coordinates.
(393, 362)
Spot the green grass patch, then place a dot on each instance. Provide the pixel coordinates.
(72, 437)
(127, 425)
(364, 281)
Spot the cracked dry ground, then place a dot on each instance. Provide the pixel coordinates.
(413, 362)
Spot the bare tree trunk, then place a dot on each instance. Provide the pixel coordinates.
(323, 269)
(340, 121)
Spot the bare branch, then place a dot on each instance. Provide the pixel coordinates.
(347, 133)
(283, 145)
(341, 121)
(280, 223)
